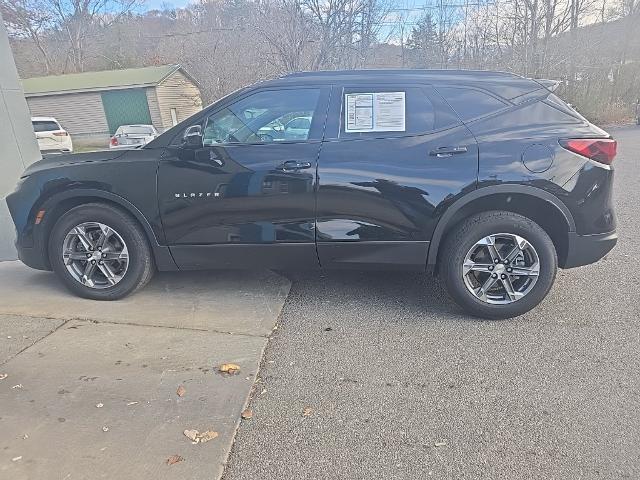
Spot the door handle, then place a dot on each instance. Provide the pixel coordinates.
(292, 165)
(447, 151)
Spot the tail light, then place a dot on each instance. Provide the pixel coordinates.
(601, 150)
(61, 134)
(114, 142)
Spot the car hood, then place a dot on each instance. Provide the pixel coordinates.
(53, 161)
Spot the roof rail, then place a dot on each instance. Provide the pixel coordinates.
(393, 71)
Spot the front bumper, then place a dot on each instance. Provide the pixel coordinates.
(586, 249)
(32, 257)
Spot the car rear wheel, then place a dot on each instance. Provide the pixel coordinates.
(498, 264)
(100, 252)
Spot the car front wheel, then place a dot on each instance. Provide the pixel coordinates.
(100, 252)
(498, 264)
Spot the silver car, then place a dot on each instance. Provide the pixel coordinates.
(133, 136)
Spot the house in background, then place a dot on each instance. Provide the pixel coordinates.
(92, 105)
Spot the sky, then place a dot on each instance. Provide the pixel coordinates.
(410, 10)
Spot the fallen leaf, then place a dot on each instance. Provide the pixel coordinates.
(181, 391)
(440, 444)
(247, 414)
(174, 459)
(3, 376)
(208, 435)
(230, 368)
(197, 437)
(15, 459)
(105, 429)
(99, 405)
(192, 435)
(307, 412)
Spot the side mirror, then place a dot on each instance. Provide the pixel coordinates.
(193, 137)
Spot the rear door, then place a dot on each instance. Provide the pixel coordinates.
(394, 156)
(247, 198)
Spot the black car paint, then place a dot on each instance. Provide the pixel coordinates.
(361, 202)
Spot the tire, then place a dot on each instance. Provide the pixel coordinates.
(127, 242)
(506, 229)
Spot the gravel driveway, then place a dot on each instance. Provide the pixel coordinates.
(401, 384)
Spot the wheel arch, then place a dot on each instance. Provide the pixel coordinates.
(58, 204)
(542, 207)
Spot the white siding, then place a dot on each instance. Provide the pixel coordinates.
(178, 92)
(154, 109)
(78, 113)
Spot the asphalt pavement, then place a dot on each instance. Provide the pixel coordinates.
(379, 375)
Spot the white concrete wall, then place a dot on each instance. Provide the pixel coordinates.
(18, 146)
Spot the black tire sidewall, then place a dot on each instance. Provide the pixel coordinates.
(137, 246)
(469, 233)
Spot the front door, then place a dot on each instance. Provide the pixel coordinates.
(247, 198)
(393, 157)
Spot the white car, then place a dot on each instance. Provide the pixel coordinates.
(132, 136)
(52, 138)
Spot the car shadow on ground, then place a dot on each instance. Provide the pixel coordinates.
(418, 295)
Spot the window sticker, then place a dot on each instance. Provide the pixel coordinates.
(375, 112)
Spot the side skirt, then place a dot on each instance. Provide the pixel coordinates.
(294, 256)
(383, 255)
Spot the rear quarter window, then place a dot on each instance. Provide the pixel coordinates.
(469, 103)
(558, 104)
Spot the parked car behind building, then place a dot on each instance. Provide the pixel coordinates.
(52, 138)
(132, 136)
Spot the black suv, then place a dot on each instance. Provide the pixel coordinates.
(488, 179)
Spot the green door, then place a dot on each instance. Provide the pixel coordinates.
(125, 107)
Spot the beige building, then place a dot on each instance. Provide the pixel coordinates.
(92, 105)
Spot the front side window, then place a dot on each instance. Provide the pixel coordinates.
(385, 111)
(264, 117)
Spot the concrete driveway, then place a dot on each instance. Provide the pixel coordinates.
(380, 376)
(91, 387)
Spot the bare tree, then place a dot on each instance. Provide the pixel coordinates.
(76, 19)
(28, 18)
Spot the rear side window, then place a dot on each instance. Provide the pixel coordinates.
(375, 112)
(44, 126)
(470, 103)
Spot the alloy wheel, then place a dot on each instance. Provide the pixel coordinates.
(95, 255)
(501, 268)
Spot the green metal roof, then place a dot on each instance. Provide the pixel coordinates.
(96, 81)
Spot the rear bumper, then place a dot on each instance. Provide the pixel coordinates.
(586, 249)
